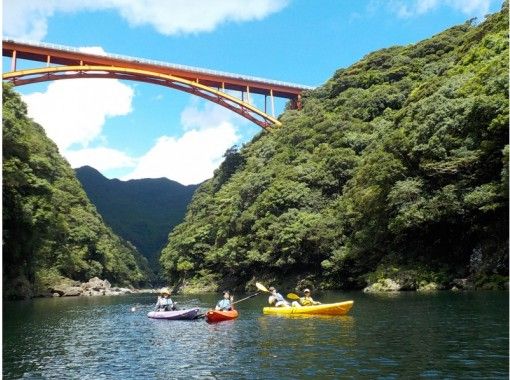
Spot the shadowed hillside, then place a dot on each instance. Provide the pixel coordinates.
(142, 211)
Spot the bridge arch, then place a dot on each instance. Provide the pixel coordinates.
(239, 106)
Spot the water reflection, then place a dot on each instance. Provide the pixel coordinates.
(443, 335)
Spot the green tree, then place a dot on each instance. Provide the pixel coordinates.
(50, 229)
(397, 165)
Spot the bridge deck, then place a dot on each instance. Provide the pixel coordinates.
(63, 55)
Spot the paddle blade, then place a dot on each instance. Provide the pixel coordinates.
(292, 296)
(261, 287)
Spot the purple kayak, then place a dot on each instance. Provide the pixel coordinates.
(174, 314)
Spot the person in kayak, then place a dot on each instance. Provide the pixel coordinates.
(276, 299)
(226, 302)
(165, 303)
(307, 299)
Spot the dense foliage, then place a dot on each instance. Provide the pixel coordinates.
(397, 166)
(51, 231)
(141, 211)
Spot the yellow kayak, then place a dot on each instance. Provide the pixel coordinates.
(339, 308)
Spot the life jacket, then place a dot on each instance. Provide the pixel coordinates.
(306, 301)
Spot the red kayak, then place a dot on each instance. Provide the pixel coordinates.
(213, 316)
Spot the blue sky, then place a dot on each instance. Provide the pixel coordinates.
(134, 130)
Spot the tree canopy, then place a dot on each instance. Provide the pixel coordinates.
(397, 164)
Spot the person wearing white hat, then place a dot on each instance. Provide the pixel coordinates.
(165, 303)
(307, 299)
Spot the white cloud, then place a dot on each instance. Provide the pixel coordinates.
(192, 158)
(99, 158)
(28, 19)
(413, 8)
(189, 159)
(74, 111)
(472, 7)
(192, 16)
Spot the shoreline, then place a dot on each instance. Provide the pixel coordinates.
(155, 291)
(96, 287)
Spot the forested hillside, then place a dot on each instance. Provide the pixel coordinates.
(51, 231)
(142, 211)
(397, 167)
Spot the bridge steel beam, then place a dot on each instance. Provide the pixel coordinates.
(245, 109)
(67, 63)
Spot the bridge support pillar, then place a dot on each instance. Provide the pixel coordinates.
(13, 62)
(272, 102)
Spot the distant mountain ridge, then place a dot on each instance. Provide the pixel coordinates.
(142, 211)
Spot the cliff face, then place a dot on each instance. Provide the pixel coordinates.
(51, 231)
(396, 167)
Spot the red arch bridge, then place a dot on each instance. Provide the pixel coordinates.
(61, 62)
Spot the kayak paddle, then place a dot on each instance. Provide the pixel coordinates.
(293, 296)
(261, 287)
(243, 299)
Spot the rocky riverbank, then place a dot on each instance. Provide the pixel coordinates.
(401, 282)
(458, 284)
(94, 287)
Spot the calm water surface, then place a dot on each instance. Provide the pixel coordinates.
(431, 336)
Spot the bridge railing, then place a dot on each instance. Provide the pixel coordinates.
(161, 63)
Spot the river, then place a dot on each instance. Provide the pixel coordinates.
(440, 335)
